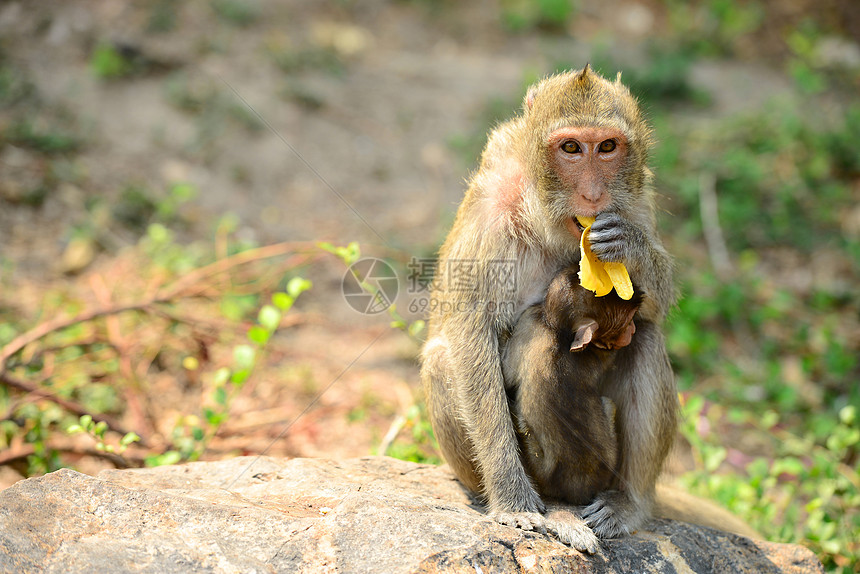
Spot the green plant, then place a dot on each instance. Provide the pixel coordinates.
(521, 15)
(108, 62)
(663, 81)
(806, 489)
(236, 12)
(714, 27)
(62, 361)
(97, 431)
(421, 445)
(193, 434)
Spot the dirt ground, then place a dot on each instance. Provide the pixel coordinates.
(333, 121)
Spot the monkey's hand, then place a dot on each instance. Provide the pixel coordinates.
(614, 513)
(599, 276)
(615, 239)
(618, 240)
(572, 530)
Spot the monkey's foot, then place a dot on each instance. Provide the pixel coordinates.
(572, 530)
(614, 514)
(522, 520)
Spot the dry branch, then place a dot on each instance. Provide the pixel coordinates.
(70, 406)
(183, 287)
(708, 206)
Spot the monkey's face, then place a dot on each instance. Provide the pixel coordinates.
(587, 161)
(590, 144)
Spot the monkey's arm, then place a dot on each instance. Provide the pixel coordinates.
(483, 405)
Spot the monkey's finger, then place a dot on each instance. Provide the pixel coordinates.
(522, 520)
(606, 235)
(608, 220)
(608, 251)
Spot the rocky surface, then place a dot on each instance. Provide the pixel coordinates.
(314, 515)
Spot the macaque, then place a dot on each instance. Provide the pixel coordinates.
(552, 366)
(579, 148)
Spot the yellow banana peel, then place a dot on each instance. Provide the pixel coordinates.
(597, 276)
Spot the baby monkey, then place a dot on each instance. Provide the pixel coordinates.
(553, 363)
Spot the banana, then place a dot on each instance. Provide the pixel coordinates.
(597, 276)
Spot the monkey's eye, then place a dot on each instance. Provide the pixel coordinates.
(607, 146)
(570, 146)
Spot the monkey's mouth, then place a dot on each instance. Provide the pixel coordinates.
(574, 227)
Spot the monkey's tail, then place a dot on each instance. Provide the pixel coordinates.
(675, 504)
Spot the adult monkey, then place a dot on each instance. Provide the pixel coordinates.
(579, 149)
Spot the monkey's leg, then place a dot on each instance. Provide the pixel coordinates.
(449, 430)
(643, 389)
(470, 415)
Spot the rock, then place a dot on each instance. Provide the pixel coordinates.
(312, 515)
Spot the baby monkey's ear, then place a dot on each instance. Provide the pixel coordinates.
(585, 331)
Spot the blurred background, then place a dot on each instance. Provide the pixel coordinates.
(183, 184)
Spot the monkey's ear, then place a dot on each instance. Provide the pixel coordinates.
(529, 100)
(585, 331)
(584, 78)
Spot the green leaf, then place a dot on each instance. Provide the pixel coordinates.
(107, 62)
(221, 396)
(239, 377)
(169, 457)
(213, 418)
(282, 301)
(73, 429)
(297, 285)
(210, 415)
(129, 438)
(269, 317)
(415, 328)
(788, 465)
(349, 254)
(712, 458)
(258, 335)
(244, 357)
(197, 433)
(86, 422)
(183, 191)
(848, 414)
(222, 375)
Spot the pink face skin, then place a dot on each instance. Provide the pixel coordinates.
(585, 159)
